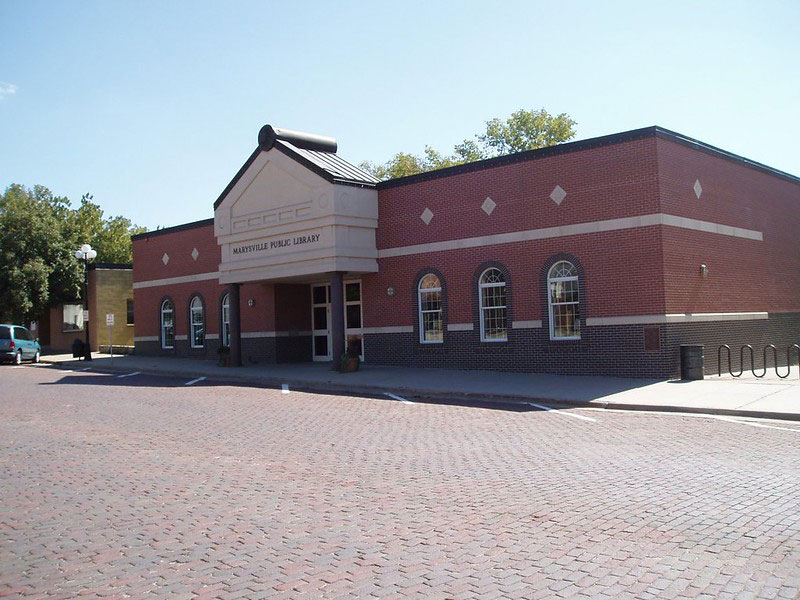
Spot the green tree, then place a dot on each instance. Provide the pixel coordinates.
(400, 165)
(114, 241)
(37, 265)
(39, 234)
(111, 237)
(526, 130)
(523, 130)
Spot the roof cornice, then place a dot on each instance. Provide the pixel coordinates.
(157, 232)
(581, 145)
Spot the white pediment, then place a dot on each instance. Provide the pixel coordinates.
(282, 219)
(274, 187)
(274, 190)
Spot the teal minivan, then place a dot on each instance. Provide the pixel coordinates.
(18, 344)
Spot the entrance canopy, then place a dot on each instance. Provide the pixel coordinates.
(296, 209)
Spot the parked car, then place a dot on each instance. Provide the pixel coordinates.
(18, 344)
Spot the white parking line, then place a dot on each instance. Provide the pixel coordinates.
(561, 412)
(79, 370)
(193, 381)
(18, 367)
(750, 423)
(729, 419)
(128, 374)
(400, 398)
(284, 388)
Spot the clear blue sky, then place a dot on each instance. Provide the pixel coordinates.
(154, 106)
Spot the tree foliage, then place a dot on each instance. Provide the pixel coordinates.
(39, 233)
(111, 237)
(523, 130)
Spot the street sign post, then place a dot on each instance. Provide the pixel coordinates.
(110, 323)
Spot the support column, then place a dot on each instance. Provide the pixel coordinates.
(337, 318)
(236, 326)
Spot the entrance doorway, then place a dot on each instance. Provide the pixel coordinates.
(321, 322)
(321, 342)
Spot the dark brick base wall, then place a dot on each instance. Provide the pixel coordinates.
(258, 350)
(603, 350)
(781, 330)
(293, 349)
(266, 350)
(254, 350)
(182, 349)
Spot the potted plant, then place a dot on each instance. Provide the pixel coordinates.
(224, 353)
(350, 360)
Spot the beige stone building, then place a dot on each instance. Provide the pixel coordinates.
(110, 292)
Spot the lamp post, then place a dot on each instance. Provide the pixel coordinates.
(86, 253)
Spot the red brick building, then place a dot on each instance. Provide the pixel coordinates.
(595, 257)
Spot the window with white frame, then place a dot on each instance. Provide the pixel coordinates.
(226, 320)
(352, 318)
(562, 300)
(197, 323)
(492, 300)
(167, 324)
(72, 317)
(430, 310)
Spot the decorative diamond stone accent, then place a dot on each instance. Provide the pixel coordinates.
(426, 216)
(558, 194)
(195, 254)
(488, 205)
(165, 258)
(698, 189)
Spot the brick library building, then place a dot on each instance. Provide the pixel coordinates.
(601, 256)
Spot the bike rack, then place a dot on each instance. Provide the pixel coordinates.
(793, 348)
(796, 348)
(730, 367)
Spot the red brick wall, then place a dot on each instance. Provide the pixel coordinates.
(178, 245)
(293, 307)
(62, 340)
(260, 316)
(624, 279)
(744, 275)
(147, 303)
(601, 183)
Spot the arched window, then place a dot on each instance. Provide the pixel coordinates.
(226, 320)
(562, 300)
(167, 324)
(196, 323)
(430, 310)
(492, 301)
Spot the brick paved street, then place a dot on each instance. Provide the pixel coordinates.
(122, 487)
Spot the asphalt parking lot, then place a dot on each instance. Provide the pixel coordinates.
(124, 485)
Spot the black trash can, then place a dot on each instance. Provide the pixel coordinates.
(691, 361)
(77, 348)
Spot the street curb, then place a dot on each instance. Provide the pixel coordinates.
(469, 397)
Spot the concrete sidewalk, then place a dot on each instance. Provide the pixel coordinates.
(769, 397)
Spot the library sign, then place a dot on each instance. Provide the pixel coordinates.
(276, 244)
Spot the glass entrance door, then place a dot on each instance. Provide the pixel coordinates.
(352, 317)
(321, 322)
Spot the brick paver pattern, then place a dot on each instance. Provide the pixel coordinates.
(127, 487)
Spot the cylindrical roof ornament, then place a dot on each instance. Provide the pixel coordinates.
(308, 141)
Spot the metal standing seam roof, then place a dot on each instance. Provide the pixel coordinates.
(338, 168)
